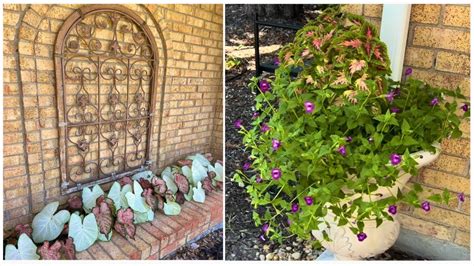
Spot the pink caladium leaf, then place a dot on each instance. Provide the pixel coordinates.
(159, 185)
(68, 249)
(126, 181)
(207, 185)
(125, 216)
(124, 223)
(160, 202)
(104, 217)
(180, 199)
(75, 202)
(182, 182)
(211, 175)
(356, 65)
(65, 230)
(356, 43)
(145, 183)
(185, 163)
(220, 185)
(150, 199)
(50, 252)
(23, 229)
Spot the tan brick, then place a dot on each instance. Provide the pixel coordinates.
(459, 147)
(453, 62)
(9, 33)
(444, 217)
(453, 203)
(443, 180)
(203, 14)
(10, 18)
(373, 10)
(436, 37)
(59, 12)
(27, 32)
(455, 15)
(462, 238)
(425, 13)
(419, 57)
(196, 22)
(354, 9)
(32, 18)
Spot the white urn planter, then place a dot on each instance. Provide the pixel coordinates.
(344, 245)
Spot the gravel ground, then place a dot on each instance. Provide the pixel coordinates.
(242, 241)
(206, 248)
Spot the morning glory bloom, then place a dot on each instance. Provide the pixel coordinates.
(255, 115)
(461, 197)
(258, 179)
(238, 123)
(361, 236)
(394, 109)
(308, 107)
(426, 206)
(295, 207)
(408, 71)
(262, 238)
(390, 96)
(276, 173)
(435, 101)
(465, 107)
(308, 200)
(395, 159)
(392, 209)
(265, 228)
(275, 144)
(264, 128)
(348, 139)
(276, 61)
(342, 150)
(246, 166)
(264, 85)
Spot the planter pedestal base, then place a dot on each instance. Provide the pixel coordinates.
(326, 255)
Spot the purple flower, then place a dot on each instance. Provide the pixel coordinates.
(394, 109)
(348, 139)
(308, 200)
(295, 207)
(246, 166)
(395, 159)
(392, 209)
(275, 144)
(396, 92)
(435, 101)
(390, 96)
(264, 128)
(238, 123)
(426, 206)
(465, 107)
(262, 238)
(342, 150)
(258, 179)
(408, 71)
(255, 115)
(361, 236)
(265, 228)
(276, 173)
(276, 61)
(264, 85)
(309, 107)
(461, 197)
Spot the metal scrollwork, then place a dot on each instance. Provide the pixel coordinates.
(108, 68)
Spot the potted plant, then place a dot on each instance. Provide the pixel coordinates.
(331, 150)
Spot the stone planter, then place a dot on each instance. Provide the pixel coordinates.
(345, 245)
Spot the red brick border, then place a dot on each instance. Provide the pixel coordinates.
(162, 236)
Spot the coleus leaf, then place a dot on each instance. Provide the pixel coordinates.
(207, 185)
(198, 194)
(125, 181)
(23, 229)
(145, 183)
(182, 183)
(356, 65)
(75, 202)
(89, 197)
(46, 225)
(180, 197)
(69, 250)
(159, 185)
(26, 250)
(48, 252)
(83, 232)
(103, 215)
(356, 43)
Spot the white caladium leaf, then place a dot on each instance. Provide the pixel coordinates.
(125, 189)
(83, 232)
(199, 172)
(189, 196)
(26, 250)
(46, 225)
(105, 238)
(114, 195)
(89, 197)
(170, 184)
(200, 158)
(187, 172)
(166, 172)
(219, 172)
(199, 195)
(148, 175)
(171, 208)
(143, 217)
(135, 200)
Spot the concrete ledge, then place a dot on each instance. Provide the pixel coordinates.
(427, 247)
(164, 235)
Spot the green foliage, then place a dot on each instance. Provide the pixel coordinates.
(342, 147)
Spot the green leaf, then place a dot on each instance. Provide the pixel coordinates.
(435, 198)
(199, 194)
(89, 197)
(171, 208)
(26, 250)
(83, 232)
(446, 196)
(46, 225)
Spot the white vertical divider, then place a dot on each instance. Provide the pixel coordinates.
(394, 32)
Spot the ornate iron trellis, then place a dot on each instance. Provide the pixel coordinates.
(106, 64)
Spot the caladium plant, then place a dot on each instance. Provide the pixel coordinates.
(104, 217)
(182, 183)
(75, 203)
(26, 250)
(84, 232)
(124, 223)
(47, 225)
(23, 229)
(51, 252)
(89, 197)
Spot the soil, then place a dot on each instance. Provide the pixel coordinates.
(242, 242)
(207, 248)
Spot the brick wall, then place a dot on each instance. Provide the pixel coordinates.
(438, 51)
(191, 35)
